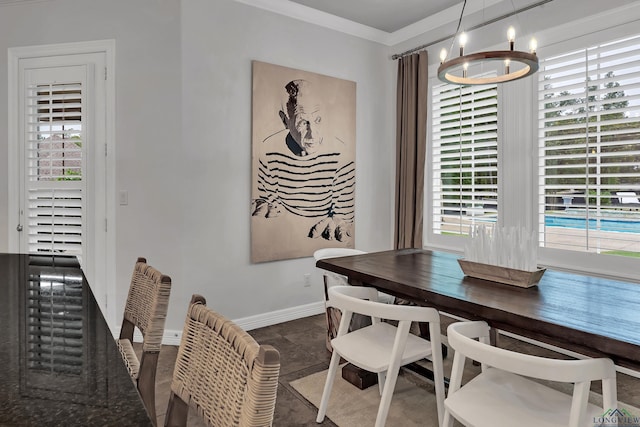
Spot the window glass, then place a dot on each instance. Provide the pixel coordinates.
(465, 157)
(589, 149)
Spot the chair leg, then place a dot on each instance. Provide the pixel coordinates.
(438, 369)
(609, 394)
(381, 379)
(328, 385)
(387, 394)
(147, 381)
(447, 420)
(579, 404)
(392, 372)
(457, 369)
(177, 412)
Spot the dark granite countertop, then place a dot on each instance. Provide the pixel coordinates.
(59, 364)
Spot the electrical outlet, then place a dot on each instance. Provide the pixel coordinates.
(307, 280)
(124, 197)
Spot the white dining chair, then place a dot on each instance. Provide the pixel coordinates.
(382, 348)
(501, 395)
(334, 279)
(330, 279)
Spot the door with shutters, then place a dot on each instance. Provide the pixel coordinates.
(61, 150)
(54, 150)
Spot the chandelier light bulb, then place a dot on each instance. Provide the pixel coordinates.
(507, 63)
(443, 55)
(465, 67)
(463, 41)
(511, 36)
(533, 45)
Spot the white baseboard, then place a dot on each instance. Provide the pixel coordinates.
(173, 337)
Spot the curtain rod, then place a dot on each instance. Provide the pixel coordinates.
(499, 18)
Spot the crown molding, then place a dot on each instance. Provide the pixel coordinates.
(327, 20)
(19, 2)
(323, 19)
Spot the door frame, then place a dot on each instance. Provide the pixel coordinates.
(103, 285)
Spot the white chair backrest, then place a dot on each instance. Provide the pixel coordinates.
(364, 300)
(334, 279)
(335, 252)
(461, 337)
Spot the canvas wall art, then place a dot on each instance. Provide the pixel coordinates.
(303, 162)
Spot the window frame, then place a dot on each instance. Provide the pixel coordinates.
(518, 159)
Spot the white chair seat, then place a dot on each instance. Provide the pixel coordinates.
(371, 347)
(497, 398)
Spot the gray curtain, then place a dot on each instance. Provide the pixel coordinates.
(411, 145)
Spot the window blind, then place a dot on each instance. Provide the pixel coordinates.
(55, 322)
(589, 149)
(465, 157)
(54, 167)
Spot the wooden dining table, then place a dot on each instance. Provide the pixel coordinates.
(59, 364)
(593, 316)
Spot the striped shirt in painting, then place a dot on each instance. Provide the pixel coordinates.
(313, 186)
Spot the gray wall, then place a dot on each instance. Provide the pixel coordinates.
(183, 138)
(219, 40)
(148, 113)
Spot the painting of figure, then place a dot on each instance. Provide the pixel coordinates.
(303, 163)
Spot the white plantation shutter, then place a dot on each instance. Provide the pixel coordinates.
(465, 157)
(589, 145)
(54, 317)
(55, 220)
(54, 156)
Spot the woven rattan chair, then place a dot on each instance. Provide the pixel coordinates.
(222, 373)
(146, 309)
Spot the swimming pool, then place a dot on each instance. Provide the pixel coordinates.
(619, 225)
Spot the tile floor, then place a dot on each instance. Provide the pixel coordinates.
(302, 352)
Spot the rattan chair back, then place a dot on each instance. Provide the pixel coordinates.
(145, 309)
(222, 372)
(147, 303)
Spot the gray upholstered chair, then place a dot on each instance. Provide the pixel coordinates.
(222, 373)
(146, 310)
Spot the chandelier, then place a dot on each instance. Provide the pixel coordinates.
(513, 64)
